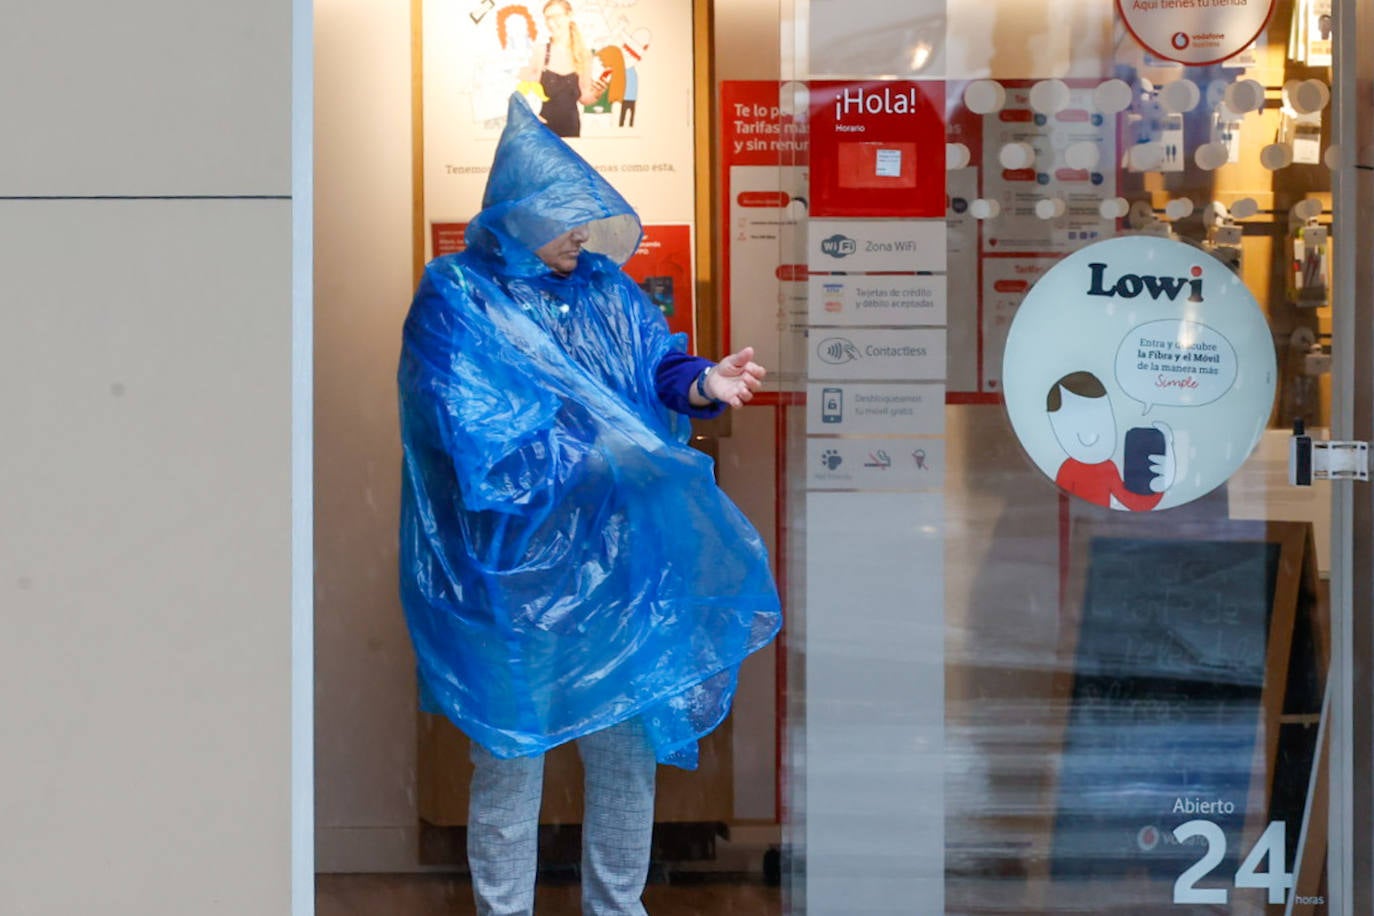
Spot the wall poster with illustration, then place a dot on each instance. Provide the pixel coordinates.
(614, 78)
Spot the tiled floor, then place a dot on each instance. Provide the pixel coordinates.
(451, 895)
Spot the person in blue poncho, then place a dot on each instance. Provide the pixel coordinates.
(569, 569)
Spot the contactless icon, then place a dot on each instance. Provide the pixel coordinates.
(837, 350)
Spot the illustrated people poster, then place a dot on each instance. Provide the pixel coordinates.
(1139, 373)
(612, 77)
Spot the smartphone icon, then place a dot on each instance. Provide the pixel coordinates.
(1141, 443)
(832, 405)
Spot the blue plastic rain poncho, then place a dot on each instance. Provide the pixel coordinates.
(567, 562)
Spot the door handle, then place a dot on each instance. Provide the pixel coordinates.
(1325, 459)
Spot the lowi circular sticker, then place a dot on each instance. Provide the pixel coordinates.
(1139, 373)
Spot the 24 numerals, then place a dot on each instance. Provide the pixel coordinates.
(1268, 850)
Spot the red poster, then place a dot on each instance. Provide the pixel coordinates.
(662, 266)
(663, 269)
(878, 149)
(763, 155)
(446, 238)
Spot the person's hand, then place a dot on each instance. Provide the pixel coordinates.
(1164, 466)
(735, 378)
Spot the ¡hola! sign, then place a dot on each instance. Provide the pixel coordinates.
(1195, 32)
(1139, 373)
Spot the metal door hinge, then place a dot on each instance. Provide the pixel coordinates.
(1325, 459)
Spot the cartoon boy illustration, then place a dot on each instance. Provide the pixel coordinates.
(1081, 416)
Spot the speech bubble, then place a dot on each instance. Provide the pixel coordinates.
(1176, 363)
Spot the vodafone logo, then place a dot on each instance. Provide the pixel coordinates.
(1195, 32)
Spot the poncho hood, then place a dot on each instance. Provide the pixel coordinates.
(540, 188)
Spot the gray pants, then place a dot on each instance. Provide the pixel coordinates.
(617, 825)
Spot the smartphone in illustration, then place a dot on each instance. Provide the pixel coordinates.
(660, 293)
(832, 405)
(1141, 443)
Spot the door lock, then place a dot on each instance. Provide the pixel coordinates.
(1325, 459)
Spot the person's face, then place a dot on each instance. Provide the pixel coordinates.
(556, 18)
(561, 254)
(1085, 427)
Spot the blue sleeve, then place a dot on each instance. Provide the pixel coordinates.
(673, 379)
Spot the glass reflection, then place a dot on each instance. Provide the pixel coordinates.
(1135, 710)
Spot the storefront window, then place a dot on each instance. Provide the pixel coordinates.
(1059, 288)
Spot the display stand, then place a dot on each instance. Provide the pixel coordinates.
(1193, 684)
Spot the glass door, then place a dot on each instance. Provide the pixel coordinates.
(1064, 636)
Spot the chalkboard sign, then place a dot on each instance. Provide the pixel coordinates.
(1174, 696)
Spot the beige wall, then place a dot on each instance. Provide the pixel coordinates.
(365, 685)
(746, 40)
(146, 388)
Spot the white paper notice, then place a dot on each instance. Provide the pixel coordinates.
(1078, 127)
(961, 277)
(1005, 283)
(889, 163)
(767, 311)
